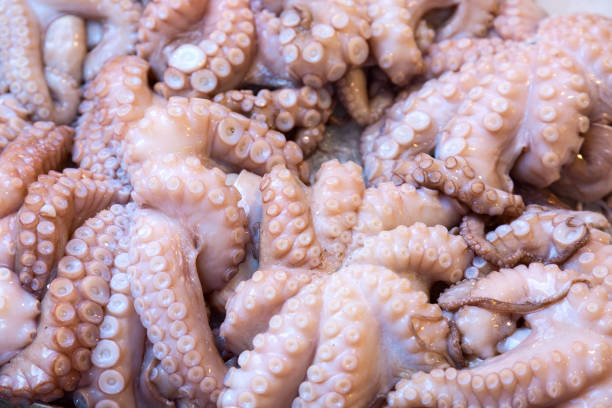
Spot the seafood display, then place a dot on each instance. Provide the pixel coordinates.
(180, 228)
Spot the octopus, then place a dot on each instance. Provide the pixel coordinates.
(484, 104)
(563, 360)
(123, 123)
(44, 53)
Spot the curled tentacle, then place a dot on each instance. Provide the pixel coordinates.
(197, 48)
(201, 201)
(538, 235)
(470, 19)
(305, 110)
(72, 311)
(37, 150)
(169, 300)
(353, 93)
(455, 178)
(55, 206)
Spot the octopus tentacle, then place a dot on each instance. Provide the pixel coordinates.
(518, 19)
(119, 22)
(387, 206)
(116, 359)
(256, 300)
(305, 110)
(55, 206)
(319, 40)
(18, 313)
(37, 150)
(546, 368)
(353, 93)
(451, 55)
(422, 254)
(538, 235)
(470, 19)
(204, 205)
(554, 133)
(457, 179)
(197, 48)
(72, 311)
(229, 138)
(336, 199)
(270, 373)
(64, 51)
(167, 294)
(412, 125)
(594, 260)
(287, 223)
(27, 85)
(13, 119)
(585, 178)
(118, 94)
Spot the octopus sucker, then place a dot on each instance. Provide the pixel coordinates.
(56, 204)
(37, 149)
(330, 342)
(563, 360)
(455, 178)
(197, 48)
(71, 313)
(303, 111)
(169, 300)
(204, 205)
(540, 234)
